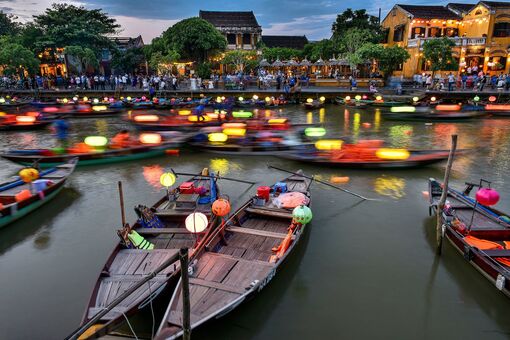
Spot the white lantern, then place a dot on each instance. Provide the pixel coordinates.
(196, 222)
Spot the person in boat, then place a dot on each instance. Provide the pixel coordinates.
(61, 131)
(132, 239)
(199, 111)
(121, 140)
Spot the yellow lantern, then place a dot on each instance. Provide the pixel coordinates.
(277, 121)
(196, 119)
(196, 222)
(218, 99)
(184, 112)
(65, 100)
(237, 132)
(85, 99)
(96, 141)
(358, 97)
(400, 109)
(99, 108)
(267, 99)
(96, 100)
(378, 98)
(322, 99)
(25, 119)
(29, 175)
(150, 138)
(241, 99)
(217, 137)
(329, 144)
(255, 97)
(128, 98)
(146, 118)
(167, 179)
(432, 99)
(309, 100)
(415, 99)
(2, 100)
(392, 154)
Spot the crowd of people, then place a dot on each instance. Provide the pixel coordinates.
(465, 81)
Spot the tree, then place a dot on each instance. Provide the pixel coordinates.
(281, 53)
(350, 42)
(85, 56)
(68, 25)
(240, 59)
(358, 19)
(193, 38)
(7, 24)
(438, 52)
(204, 70)
(29, 36)
(325, 49)
(128, 61)
(16, 59)
(388, 58)
(162, 63)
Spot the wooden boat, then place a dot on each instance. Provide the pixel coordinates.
(485, 242)
(14, 206)
(126, 266)
(48, 158)
(82, 111)
(316, 104)
(498, 109)
(16, 126)
(237, 262)
(421, 113)
(255, 149)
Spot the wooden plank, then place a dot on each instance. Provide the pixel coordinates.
(242, 260)
(245, 230)
(150, 231)
(217, 285)
(269, 212)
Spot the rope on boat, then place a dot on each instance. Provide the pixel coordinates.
(130, 327)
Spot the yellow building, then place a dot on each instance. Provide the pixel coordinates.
(481, 34)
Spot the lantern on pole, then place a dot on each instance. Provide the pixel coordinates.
(485, 196)
(196, 222)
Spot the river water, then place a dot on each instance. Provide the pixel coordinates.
(364, 269)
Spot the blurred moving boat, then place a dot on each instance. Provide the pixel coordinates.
(11, 122)
(242, 256)
(440, 112)
(478, 232)
(18, 198)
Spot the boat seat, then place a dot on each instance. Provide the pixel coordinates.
(257, 232)
(279, 213)
(151, 231)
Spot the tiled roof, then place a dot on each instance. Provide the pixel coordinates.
(430, 12)
(288, 41)
(460, 9)
(495, 4)
(230, 19)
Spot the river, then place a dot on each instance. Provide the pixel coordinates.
(364, 270)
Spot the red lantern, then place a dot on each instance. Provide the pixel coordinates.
(221, 207)
(487, 196)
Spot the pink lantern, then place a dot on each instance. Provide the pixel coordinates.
(487, 196)
(144, 98)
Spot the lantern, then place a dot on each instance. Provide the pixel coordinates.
(415, 99)
(433, 99)
(448, 107)
(392, 154)
(233, 125)
(144, 98)
(242, 114)
(25, 119)
(196, 119)
(302, 214)
(267, 99)
(221, 207)
(218, 99)
(487, 196)
(492, 99)
(2, 100)
(400, 109)
(277, 121)
(255, 97)
(347, 98)
(322, 99)
(96, 100)
(167, 179)
(315, 131)
(364, 96)
(196, 222)
(358, 97)
(96, 141)
(150, 138)
(329, 144)
(128, 98)
(239, 132)
(75, 98)
(29, 175)
(65, 100)
(146, 118)
(240, 99)
(217, 137)
(85, 99)
(184, 112)
(99, 108)
(476, 99)
(378, 98)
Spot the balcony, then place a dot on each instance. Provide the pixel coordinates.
(459, 41)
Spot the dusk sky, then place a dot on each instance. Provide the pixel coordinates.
(150, 18)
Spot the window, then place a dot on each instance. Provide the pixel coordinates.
(246, 39)
(231, 39)
(435, 32)
(497, 63)
(451, 32)
(398, 33)
(502, 29)
(418, 32)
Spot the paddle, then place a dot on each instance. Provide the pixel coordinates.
(217, 177)
(325, 183)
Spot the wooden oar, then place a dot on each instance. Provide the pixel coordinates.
(218, 177)
(325, 183)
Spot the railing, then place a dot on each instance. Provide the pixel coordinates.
(459, 41)
(413, 42)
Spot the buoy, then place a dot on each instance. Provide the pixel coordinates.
(338, 179)
(172, 152)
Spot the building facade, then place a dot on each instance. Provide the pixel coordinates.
(481, 33)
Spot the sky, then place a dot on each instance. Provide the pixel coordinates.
(312, 18)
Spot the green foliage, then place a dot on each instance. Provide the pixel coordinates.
(325, 49)
(204, 70)
(128, 61)
(162, 63)
(68, 25)
(14, 58)
(439, 53)
(388, 58)
(358, 19)
(85, 55)
(193, 38)
(273, 53)
(351, 41)
(29, 36)
(7, 24)
(239, 59)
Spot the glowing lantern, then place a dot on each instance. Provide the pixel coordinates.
(96, 141)
(95, 100)
(267, 99)
(447, 107)
(400, 109)
(255, 97)
(65, 100)
(487, 196)
(196, 222)
(233, 125)
(167, 179)
(415, 99)
(329, 144)
(241, 99)
(75, 98)
(234, 132)
(99, 108)
(217, 137)
(111, 100)
(218, 99)
(122, 98)
(221, 207)
(222, 98)
(315, 131)
(497, 107)
(144, 98)
(150, 138)
(32, 113)
(146, 118)
(358, 97)
(378, 98)
(476, 99)
(347, 98)
(364, 96)
(196, 119)
(128, 98)
(105, 99)
(492, 98)
(2, 100)
(184, 112)
(277, 121)
(392, 154)
(28, 175)
(322, 99)
(242, 114)
(25, 119)
(433, 99)
(85, 99)
(302, 214)
(309, 100)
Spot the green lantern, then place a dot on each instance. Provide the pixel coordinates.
(302, 214)
(476, 98)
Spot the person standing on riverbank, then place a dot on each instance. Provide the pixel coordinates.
(451, 82)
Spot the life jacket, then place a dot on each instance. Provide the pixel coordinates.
(120, 140)
(139, 241)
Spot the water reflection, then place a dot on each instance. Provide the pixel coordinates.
(102, 127)
(442, 133)
(223, 166)
(42, 240)
(152, 174)
(390, 186)
(400, 135)
(309, 118)
(322, 114)
(377, 120)
(355, 126)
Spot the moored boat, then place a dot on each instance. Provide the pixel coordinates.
(478, 232)
(241, 257)
(437, 113)
(18, 198)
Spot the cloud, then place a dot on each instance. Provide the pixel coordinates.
(132, 27)
(314, 26)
